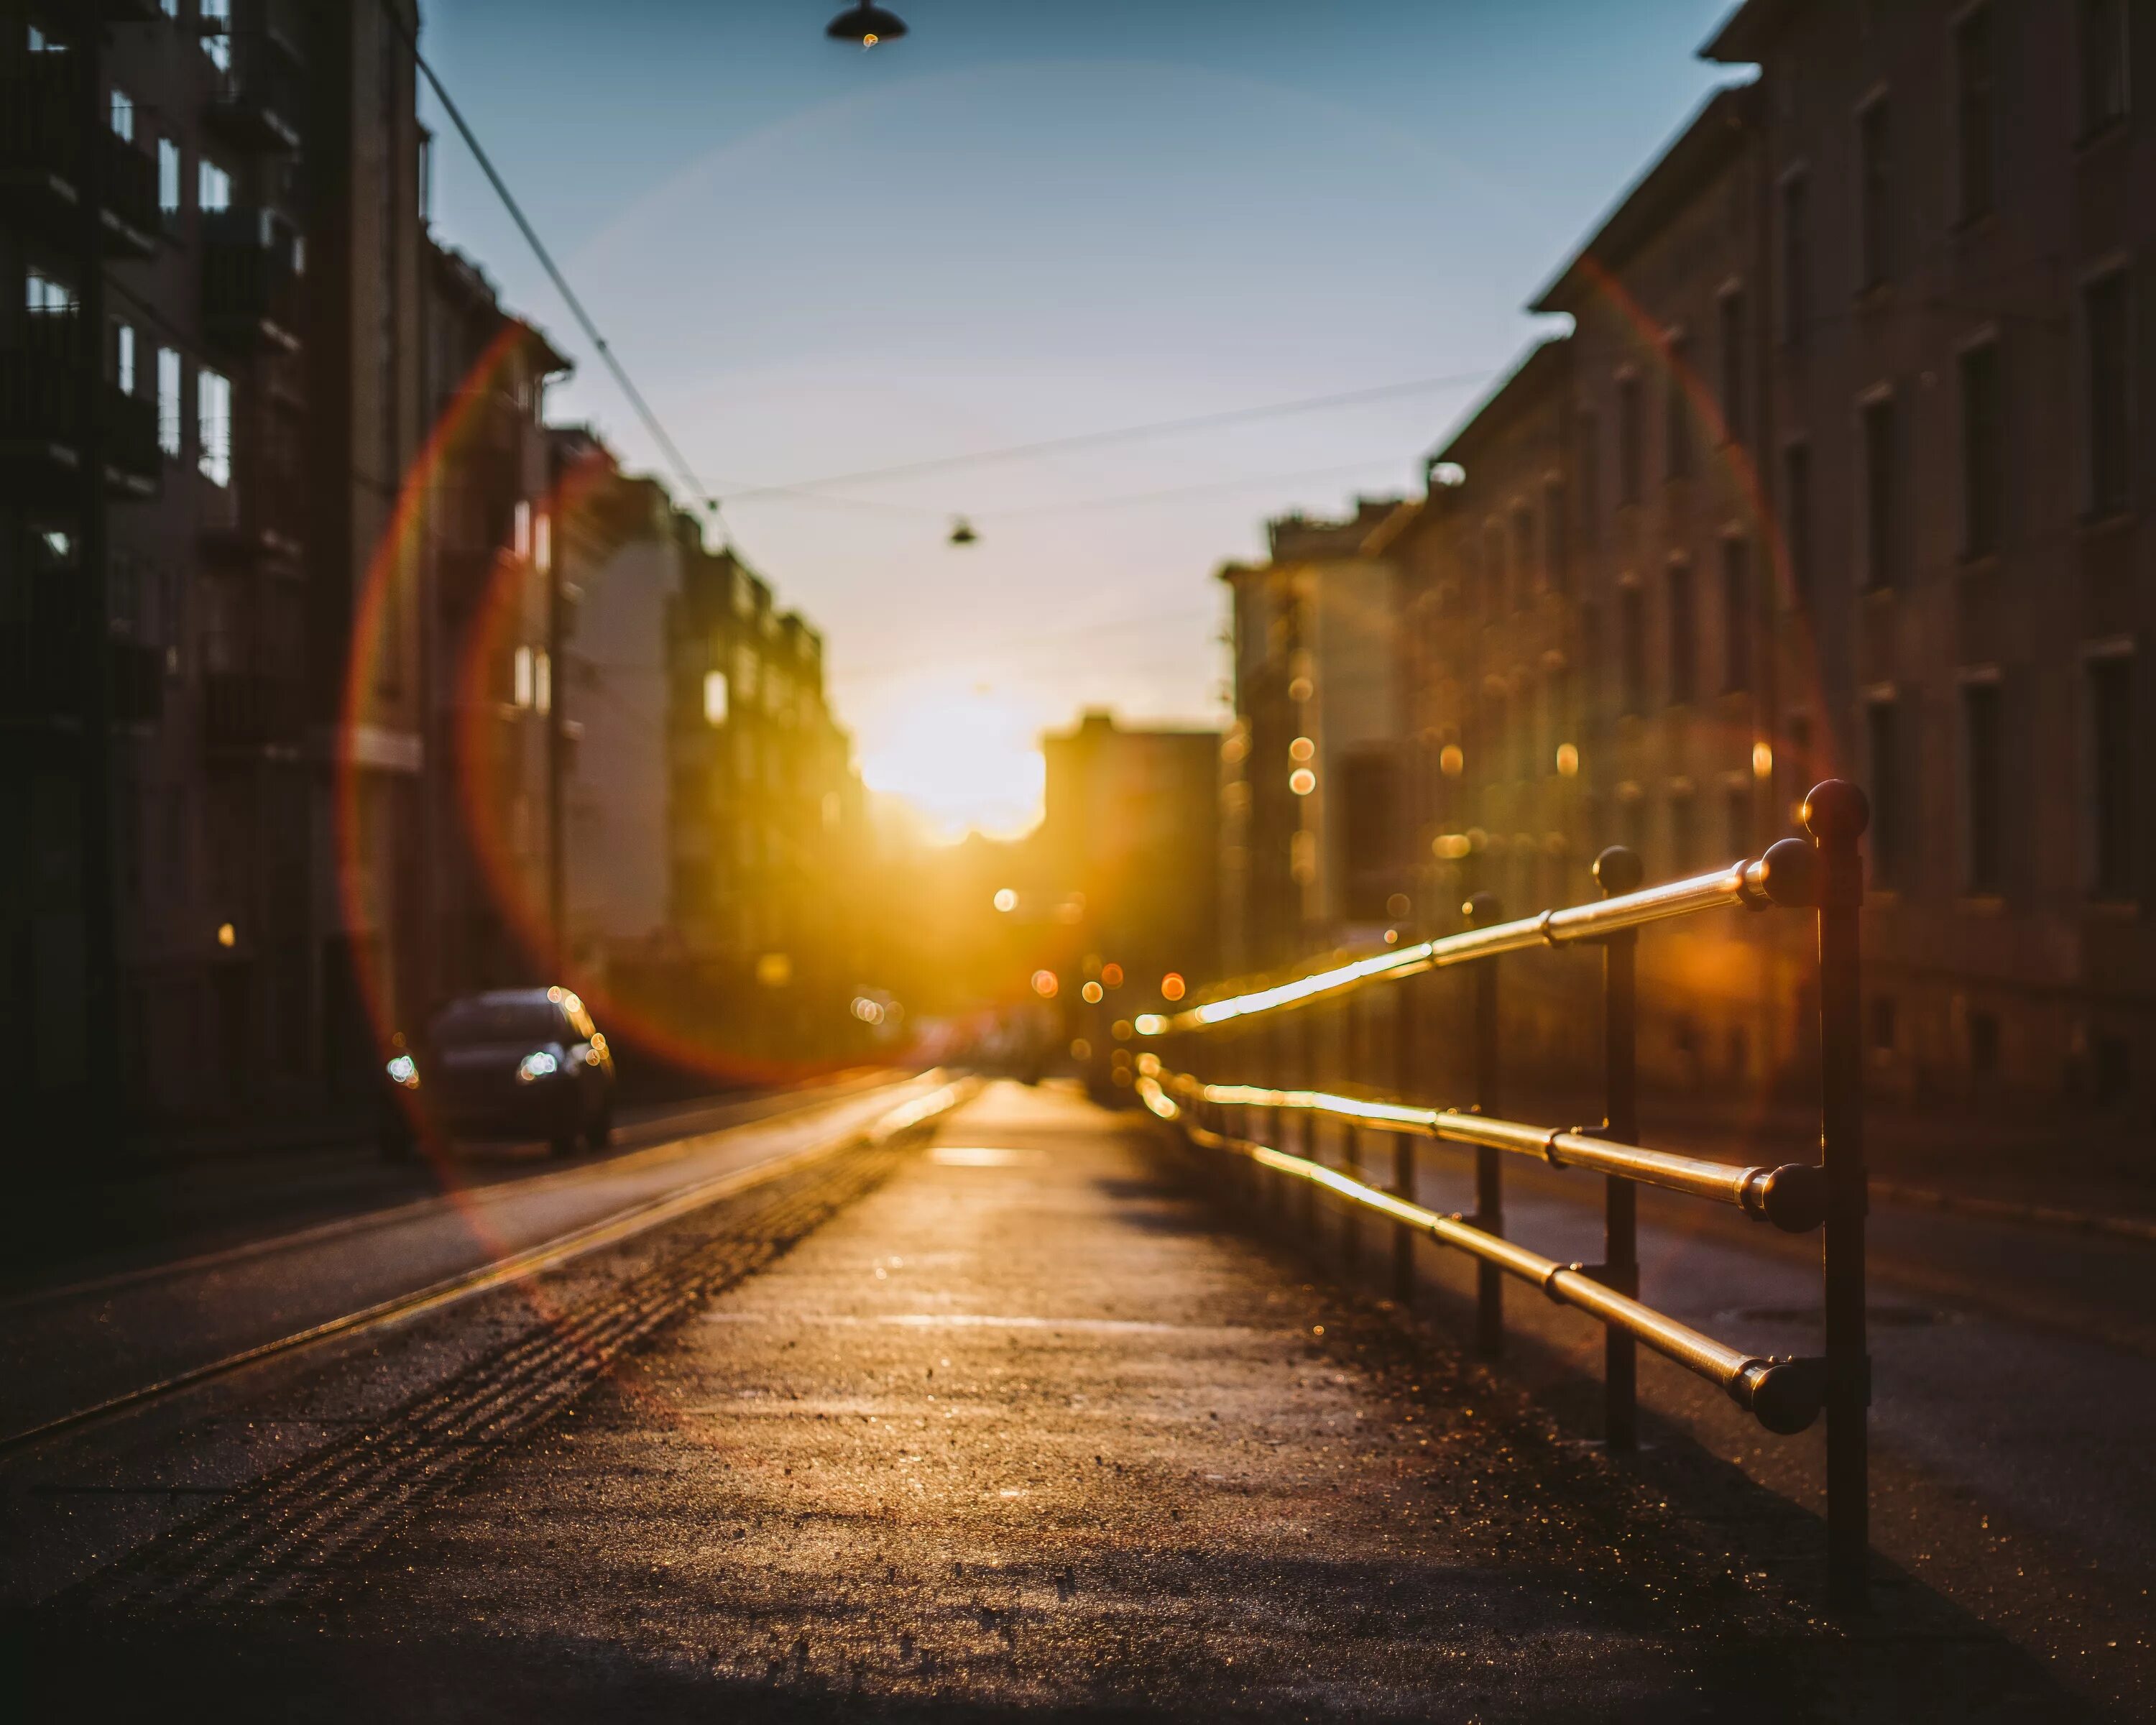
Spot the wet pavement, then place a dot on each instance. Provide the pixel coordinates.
(1022, 1428)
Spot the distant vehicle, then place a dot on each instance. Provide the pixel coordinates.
(511, 1063)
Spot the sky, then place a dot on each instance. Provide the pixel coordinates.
(1028, 220)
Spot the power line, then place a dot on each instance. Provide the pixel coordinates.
(682, 471)
(1088, 440)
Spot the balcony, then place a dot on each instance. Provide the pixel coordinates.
(250, 282)
(256, 104)
(41, 424)
(255, 521)
(247, 712)
(41, 163)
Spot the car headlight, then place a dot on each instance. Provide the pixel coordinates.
(405, 1070)
(540, 1062)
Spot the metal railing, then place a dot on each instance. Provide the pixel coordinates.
(1824, 876)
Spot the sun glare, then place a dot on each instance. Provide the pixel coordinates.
(963, 763)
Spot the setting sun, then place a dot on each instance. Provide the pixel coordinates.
(964, 762)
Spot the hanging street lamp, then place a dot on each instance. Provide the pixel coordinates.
(866, 24)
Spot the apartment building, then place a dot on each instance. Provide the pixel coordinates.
(484, 542)
(1310, 788)
(1836, 471)
(1960, 200)
(206, 210)
(767, 825)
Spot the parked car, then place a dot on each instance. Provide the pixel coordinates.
(511, 1063)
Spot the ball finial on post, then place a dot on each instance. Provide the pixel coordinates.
(1619, 870)
(1835, 810)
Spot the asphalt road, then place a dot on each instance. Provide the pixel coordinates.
(77, 1343)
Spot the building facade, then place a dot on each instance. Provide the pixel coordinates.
(209, 219)
(484, 547)
(767, 839)
(1839, 469)
(1960, 354)
(1311, 794)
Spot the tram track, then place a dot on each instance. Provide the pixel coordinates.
(284, 1533)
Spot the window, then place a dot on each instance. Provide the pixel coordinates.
(1684, 635)
(1628, 429)
(1736, 615)
(2103, 63)
(168, 401)
(714, 697)
(1737, 820)
(1632, 824)
(542, 542)
(1796, 257)
(1982, 788)
(1677, 436)
(1876, 210)
(214, 191)
(520, 518)
(213, 426)
(1889, 817)
(44, 297)
(1524, 555)
(123, 114)
(217, 33)
(1590, 478)
(520, 676)
(1557, 536)
(1732, 312)
(1975, 112)
(1883, 1025)
(168, 176)
(1632, 648)
(1882, 501)
(542, 682)
(1684, 832)
(1797, 519)
(2110, 771)
(1983, 451)
(123, 356)
(2110, 394)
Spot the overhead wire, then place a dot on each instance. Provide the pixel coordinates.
(682, 471)
(1090, 439)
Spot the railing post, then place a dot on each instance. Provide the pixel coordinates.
(1351, 1055)
(1836, 813)
(1405, 997)
(1619, 870)
(1306, 1145)
(1284, 1119)
(1481, 910)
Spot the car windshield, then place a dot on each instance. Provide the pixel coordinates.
(467, 1022)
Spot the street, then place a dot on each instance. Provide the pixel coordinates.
(1026, 1421)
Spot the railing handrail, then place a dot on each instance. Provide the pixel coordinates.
(1784, 875)
(1824, 876)
(1792, 1195)
(1785, 1394)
